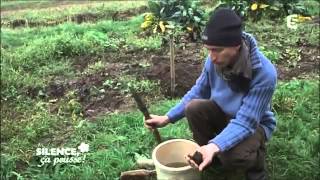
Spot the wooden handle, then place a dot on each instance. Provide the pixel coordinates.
(143, 108)
(138, 174)
(156, 134)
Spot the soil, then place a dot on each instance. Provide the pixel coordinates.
(309, 63)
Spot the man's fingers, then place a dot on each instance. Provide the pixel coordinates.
(151, 123)
(204, 164)
(152, 116)
(149, 127)
(191, 162)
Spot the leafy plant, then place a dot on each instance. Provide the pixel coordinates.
(291, 56)
(240, 7)
(273, 55)
(95, 67)
(126, 83)
(256, 9)
(169, 15)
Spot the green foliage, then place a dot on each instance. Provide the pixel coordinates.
(151, 42)
(311, 7)
(297, 106)
(291, 56)
(266, 8)
(127, 83)
(94, 67)
(271, 54)
(7, 166)
(70, 106)
(186, 15)
(240, 7)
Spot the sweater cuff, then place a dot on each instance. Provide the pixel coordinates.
(218, 141)
(172, 117)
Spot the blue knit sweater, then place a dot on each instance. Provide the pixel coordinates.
(247, 110)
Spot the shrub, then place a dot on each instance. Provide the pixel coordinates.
(179, 14)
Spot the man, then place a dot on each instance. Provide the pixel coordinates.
(228, 109)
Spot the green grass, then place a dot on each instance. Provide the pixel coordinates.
(294, 148)
(116, 140)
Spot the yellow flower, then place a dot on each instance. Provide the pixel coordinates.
(148, 17)
(254, 6)
(303, 18)
(262, 6)
(145, 24)
(162, 26)
(155, 29)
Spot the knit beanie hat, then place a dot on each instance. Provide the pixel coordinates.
(223, 29)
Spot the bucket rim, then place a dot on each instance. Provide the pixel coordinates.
(172, 169)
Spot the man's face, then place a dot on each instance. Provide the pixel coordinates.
(223, 56)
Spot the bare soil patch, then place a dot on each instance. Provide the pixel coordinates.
(309, 63)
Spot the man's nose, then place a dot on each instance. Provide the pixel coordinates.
(213, 56)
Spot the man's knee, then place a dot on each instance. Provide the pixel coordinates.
(235, 160)
(247, 153)
(193, 107)
(201, 106)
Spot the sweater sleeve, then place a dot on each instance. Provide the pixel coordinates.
(200, 90)
(254, 104)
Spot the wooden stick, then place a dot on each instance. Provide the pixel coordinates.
(172, 68)
(143, 108)
(140, 174)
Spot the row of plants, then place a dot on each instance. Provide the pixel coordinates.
(273, 9)
(7, 5)
(69, 12)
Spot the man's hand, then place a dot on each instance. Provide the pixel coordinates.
(208, 152)
(156, 121)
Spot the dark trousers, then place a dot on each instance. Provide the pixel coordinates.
(206, 120)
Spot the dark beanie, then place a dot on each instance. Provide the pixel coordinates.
(223, 29)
